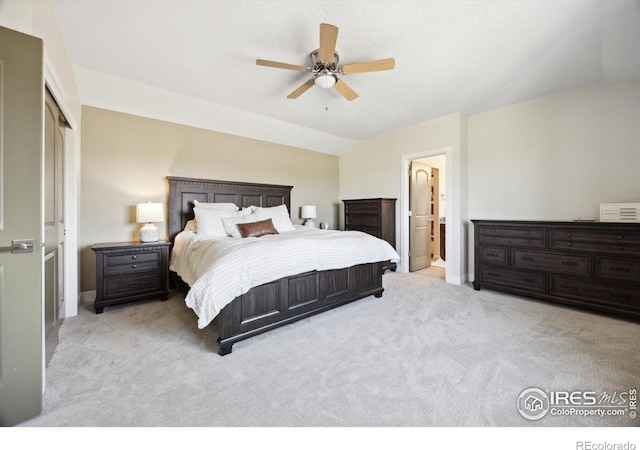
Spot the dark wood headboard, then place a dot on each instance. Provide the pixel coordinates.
(183, 191)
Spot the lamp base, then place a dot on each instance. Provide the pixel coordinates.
(309, 223)
(149, 233)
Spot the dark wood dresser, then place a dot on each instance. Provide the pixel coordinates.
(130, 271)
(375, 216)
(592, 265)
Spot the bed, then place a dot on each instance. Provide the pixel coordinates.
(274, 303)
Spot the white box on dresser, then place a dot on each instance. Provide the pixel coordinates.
(620, 212)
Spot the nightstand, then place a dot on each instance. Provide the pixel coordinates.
(130, 271)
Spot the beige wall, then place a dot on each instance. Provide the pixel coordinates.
(126, 158)
(373, 168)
(557, 157)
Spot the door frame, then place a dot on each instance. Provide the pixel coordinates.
(454, 273)
(71, 178)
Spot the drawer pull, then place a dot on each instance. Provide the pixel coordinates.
(134, 257)
(620, 248)
(619, 236)
(492, 254)
(493, 239)
(621, 269)
(527, 258)
(570, 287)
(527, 233)
(528, 280)
(569, 244)
(527, 241)
(133, 284)
(133, 266)
(569, 263)
(493, 274)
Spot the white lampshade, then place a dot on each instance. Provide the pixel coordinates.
(308, 212)
(325, 81)
(150, 212)
(147, 213)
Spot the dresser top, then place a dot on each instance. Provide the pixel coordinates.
(370, 200)
(116, 245)
(559, 223)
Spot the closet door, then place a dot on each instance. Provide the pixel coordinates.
(54, 227)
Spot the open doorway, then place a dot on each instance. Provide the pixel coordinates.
(427, 215)
(451, 233)
(438, 208)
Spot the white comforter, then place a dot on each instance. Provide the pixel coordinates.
(221, 269)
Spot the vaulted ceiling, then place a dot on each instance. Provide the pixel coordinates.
(451, 56)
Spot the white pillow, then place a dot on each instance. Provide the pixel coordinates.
(209, 221)
(229, 223)
(219, 206)
(279, 215)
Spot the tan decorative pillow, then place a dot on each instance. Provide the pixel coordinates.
(256, 229)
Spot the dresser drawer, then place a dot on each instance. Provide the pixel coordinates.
(373, 231)
(512, 241)
(534, 282)
(618, 269)
(545, 261)
(594, 292)
(497, 256)
(596, 236)
(131, 263)
(362, 221)
(362, 208)
(133, 284)
(624, 242)
(513, 232)
(588, 246)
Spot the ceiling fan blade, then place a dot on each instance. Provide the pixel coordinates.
(369, 66)
(328, 38)
(345, 90)
(279, 65)
(301, 90)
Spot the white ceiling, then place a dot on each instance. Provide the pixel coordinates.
(451, 56)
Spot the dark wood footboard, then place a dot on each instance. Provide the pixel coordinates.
(293, 298)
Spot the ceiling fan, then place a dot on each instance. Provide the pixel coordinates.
(324, 66)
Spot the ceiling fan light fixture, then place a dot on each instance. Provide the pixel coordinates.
(325, 80)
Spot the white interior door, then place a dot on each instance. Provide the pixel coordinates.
(21, 226)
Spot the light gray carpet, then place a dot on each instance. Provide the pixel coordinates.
(425, 354)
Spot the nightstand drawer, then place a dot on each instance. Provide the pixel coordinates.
(131, 263)
(132, 284)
